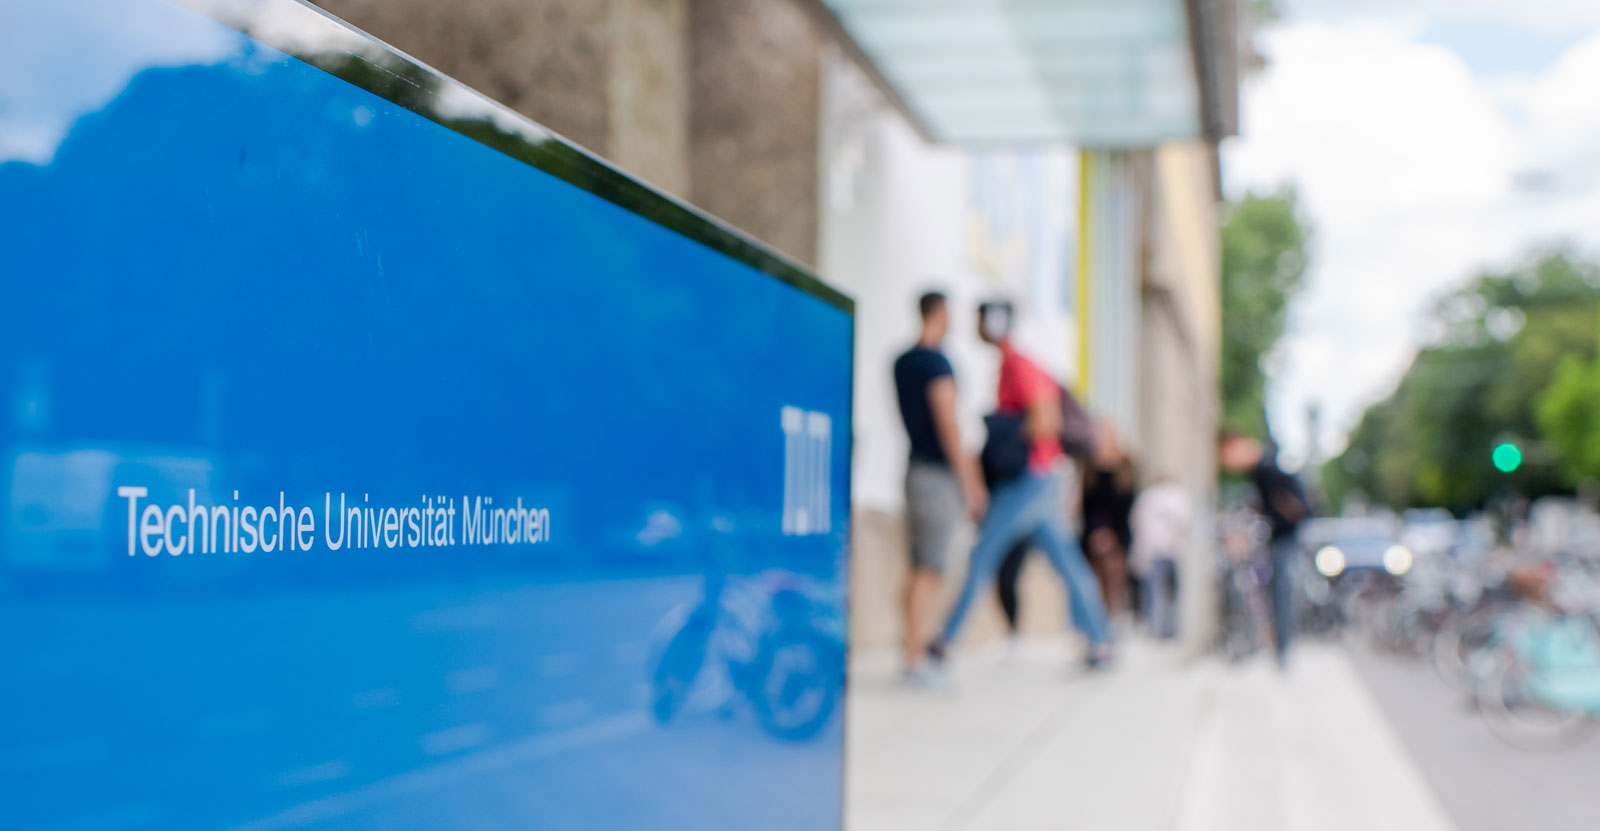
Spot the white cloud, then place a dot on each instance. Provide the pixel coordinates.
(1415, 174)
(1547, 15)
(58, 64)
(1562, 109)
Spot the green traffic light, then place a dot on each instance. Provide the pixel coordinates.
(1507, 457)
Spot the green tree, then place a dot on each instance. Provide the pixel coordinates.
(1502, 343)
(1263, 264)
(1569, 417)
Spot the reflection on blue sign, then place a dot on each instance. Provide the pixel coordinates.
(370, 459)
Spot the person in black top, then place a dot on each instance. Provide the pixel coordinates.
(1108, 486)
(1284, 506)
(942, 482)
(1105, 504)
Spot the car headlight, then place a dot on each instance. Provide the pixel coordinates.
(1398, 559)
(1330, 561)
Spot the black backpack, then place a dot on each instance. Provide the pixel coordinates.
(1006, 449)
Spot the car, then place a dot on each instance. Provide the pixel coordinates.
(1349, 546)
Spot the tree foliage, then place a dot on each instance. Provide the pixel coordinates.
(1569, 416)
(1500, 345)
(1263, 263)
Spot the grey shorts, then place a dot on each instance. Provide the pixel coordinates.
(933, 512)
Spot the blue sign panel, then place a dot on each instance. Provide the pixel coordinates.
(370, 458)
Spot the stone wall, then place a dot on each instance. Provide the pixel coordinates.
(714, 101)
(543, 58)
(648, 91)
(754, 116)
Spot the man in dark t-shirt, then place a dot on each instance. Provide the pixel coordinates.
(1284, 506)
(914, 371)
(942, 482)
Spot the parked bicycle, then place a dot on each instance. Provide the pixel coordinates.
(1245, 615)
(1528, 654)
(1541, 690)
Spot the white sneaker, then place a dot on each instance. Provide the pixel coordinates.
(926, 675)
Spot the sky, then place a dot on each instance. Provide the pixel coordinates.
(71, 83)
(1428, 140)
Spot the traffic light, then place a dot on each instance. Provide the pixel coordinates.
(1507, 457)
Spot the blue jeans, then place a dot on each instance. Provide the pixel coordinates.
(1284, 550)
(1159, 603)
(1031, 508)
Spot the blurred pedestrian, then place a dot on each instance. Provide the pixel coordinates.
(1107, 505)
(1010, 572)
(1005, 587)
(1027, 503)
(1077, 440)
(1284, 506)
(942, 482)
(1162, 523)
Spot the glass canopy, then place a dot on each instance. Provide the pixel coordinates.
(1100, 73)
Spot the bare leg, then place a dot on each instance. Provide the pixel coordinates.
(1105, 557)
(922, 589)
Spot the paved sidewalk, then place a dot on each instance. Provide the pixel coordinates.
(1027, 741)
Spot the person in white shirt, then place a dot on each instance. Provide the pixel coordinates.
(1162, 524)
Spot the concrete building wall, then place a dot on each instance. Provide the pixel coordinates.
(1184, 174)
(1180, 341)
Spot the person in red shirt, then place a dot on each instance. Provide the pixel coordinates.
(1030, 507)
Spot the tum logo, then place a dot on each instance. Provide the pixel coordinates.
(807, 449)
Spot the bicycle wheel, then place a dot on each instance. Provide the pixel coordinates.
(1239, 638)
(1456, 644)
(795, 682)
(1525, 722)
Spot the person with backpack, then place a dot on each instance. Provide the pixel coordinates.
(1079, 442)
(1024, 456)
